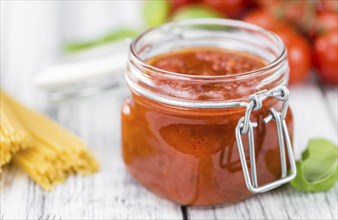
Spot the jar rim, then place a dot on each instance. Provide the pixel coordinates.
(211, 21)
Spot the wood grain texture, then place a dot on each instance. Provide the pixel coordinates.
(282, 203)
(113, 194)
(313, 118)
(331, 96)
(109, 194)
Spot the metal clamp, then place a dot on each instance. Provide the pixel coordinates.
(245, 126)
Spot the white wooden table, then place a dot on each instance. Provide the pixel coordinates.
(112, 193)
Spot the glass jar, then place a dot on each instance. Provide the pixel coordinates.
(205, 140)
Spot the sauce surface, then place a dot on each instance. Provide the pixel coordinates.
(190, 156)
(207, 62)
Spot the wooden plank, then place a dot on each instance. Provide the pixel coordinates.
(312, 115)
(111, 193)
(282, 203)
(331, 96)
(312, 119)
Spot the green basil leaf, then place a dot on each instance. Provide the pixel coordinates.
(116, 35)
(317, 170)
(156, 12)
(195, 11)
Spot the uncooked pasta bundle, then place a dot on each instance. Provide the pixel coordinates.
(13, 134)
(54, 154)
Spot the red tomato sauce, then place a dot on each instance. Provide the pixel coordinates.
(190, 156)
(207, 62)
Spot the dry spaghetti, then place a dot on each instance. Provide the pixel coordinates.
(13, 134)
(55, 153)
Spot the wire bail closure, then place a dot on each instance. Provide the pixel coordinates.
(245, 126)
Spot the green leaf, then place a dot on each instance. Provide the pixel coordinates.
(317, 170)
(195, 11)
(115, 35)
(156, 12)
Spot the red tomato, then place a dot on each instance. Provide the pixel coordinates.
(266, 3)
(263, 19)
(326, 52)
(324, 22)
(299, 52)
(300, 13)
(328, 5)
(230, 8)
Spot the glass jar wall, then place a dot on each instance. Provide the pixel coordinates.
(178, 130)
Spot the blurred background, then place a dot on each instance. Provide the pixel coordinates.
(34, 33)
(39, 37)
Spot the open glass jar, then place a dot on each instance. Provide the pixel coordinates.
(205, 140)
